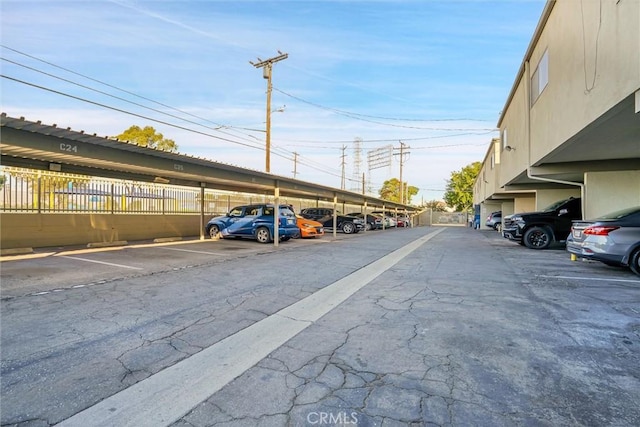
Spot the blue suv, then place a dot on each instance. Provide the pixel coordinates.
(254, 222)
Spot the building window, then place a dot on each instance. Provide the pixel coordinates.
(540, 77)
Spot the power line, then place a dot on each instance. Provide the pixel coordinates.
(125, 111)
(301, 159)
(365, 118)
(121, 90)
(304, 162)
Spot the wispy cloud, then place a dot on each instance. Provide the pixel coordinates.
(395, 59)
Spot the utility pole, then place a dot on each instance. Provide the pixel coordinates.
(295, 164)
(402, 153)
(267, 65)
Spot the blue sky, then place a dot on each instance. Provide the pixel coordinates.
(433, 74)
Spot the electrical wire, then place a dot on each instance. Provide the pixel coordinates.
(123, 91)
(363, 117)
(303, 160)
(126, 112)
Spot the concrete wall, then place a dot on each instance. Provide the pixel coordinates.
(19, 230)
(508, 208)
(606, 192)
(524, 204)
(546, 197)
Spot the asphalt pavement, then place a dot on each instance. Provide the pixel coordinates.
(427, 326)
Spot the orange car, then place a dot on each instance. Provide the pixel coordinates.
(309, 227)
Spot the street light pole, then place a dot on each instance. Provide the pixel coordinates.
(267, 66)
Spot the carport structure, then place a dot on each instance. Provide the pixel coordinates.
(34, 145)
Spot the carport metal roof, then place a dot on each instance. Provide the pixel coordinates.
(38, 146)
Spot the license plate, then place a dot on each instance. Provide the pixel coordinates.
(289, 221)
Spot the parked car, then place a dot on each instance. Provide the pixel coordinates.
(254, 222)
(494, 220)
(613, 239)
(403, 221)
(538, 230)
(347, 224)
(309, 228)
(389, 221)
(373, 222)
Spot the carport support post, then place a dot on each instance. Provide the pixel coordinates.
(276, 214)
(365, 216)
(202, 185)
(335, 215)
(384, 217)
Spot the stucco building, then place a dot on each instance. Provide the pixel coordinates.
(571, 123)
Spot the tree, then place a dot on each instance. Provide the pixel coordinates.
(391, 191)
(459, 193)
(148, 137)
(436, 205)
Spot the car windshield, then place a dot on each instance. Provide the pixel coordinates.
(621, 213)
(555, 206)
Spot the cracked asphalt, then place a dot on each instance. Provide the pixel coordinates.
(468, 329)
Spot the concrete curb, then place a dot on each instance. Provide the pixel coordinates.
(107, 244)
(16, 251)
(167, 239)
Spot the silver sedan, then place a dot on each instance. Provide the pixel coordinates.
(613, 239)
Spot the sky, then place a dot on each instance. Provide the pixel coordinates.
(429, 75)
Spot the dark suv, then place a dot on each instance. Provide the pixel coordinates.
(346, 223)
(538, 230)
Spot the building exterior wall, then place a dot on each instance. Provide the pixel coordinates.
(546, 197)
(610, 191)
(508, 208)
(20, 230)
(524, 204)
(593, 52)
(514, 134)
(559, 130)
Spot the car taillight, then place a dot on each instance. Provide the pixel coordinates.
(599, 230)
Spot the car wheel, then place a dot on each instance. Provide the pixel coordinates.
(263, 235)
(634, 261)
(498, 227)
(348, 228)
(537, 238)
(214, 232)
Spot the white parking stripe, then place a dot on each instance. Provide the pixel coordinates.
(102, 262)
(195, 252)
(165, 397)
(603, 279)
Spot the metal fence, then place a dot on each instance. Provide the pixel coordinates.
(31, 191)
